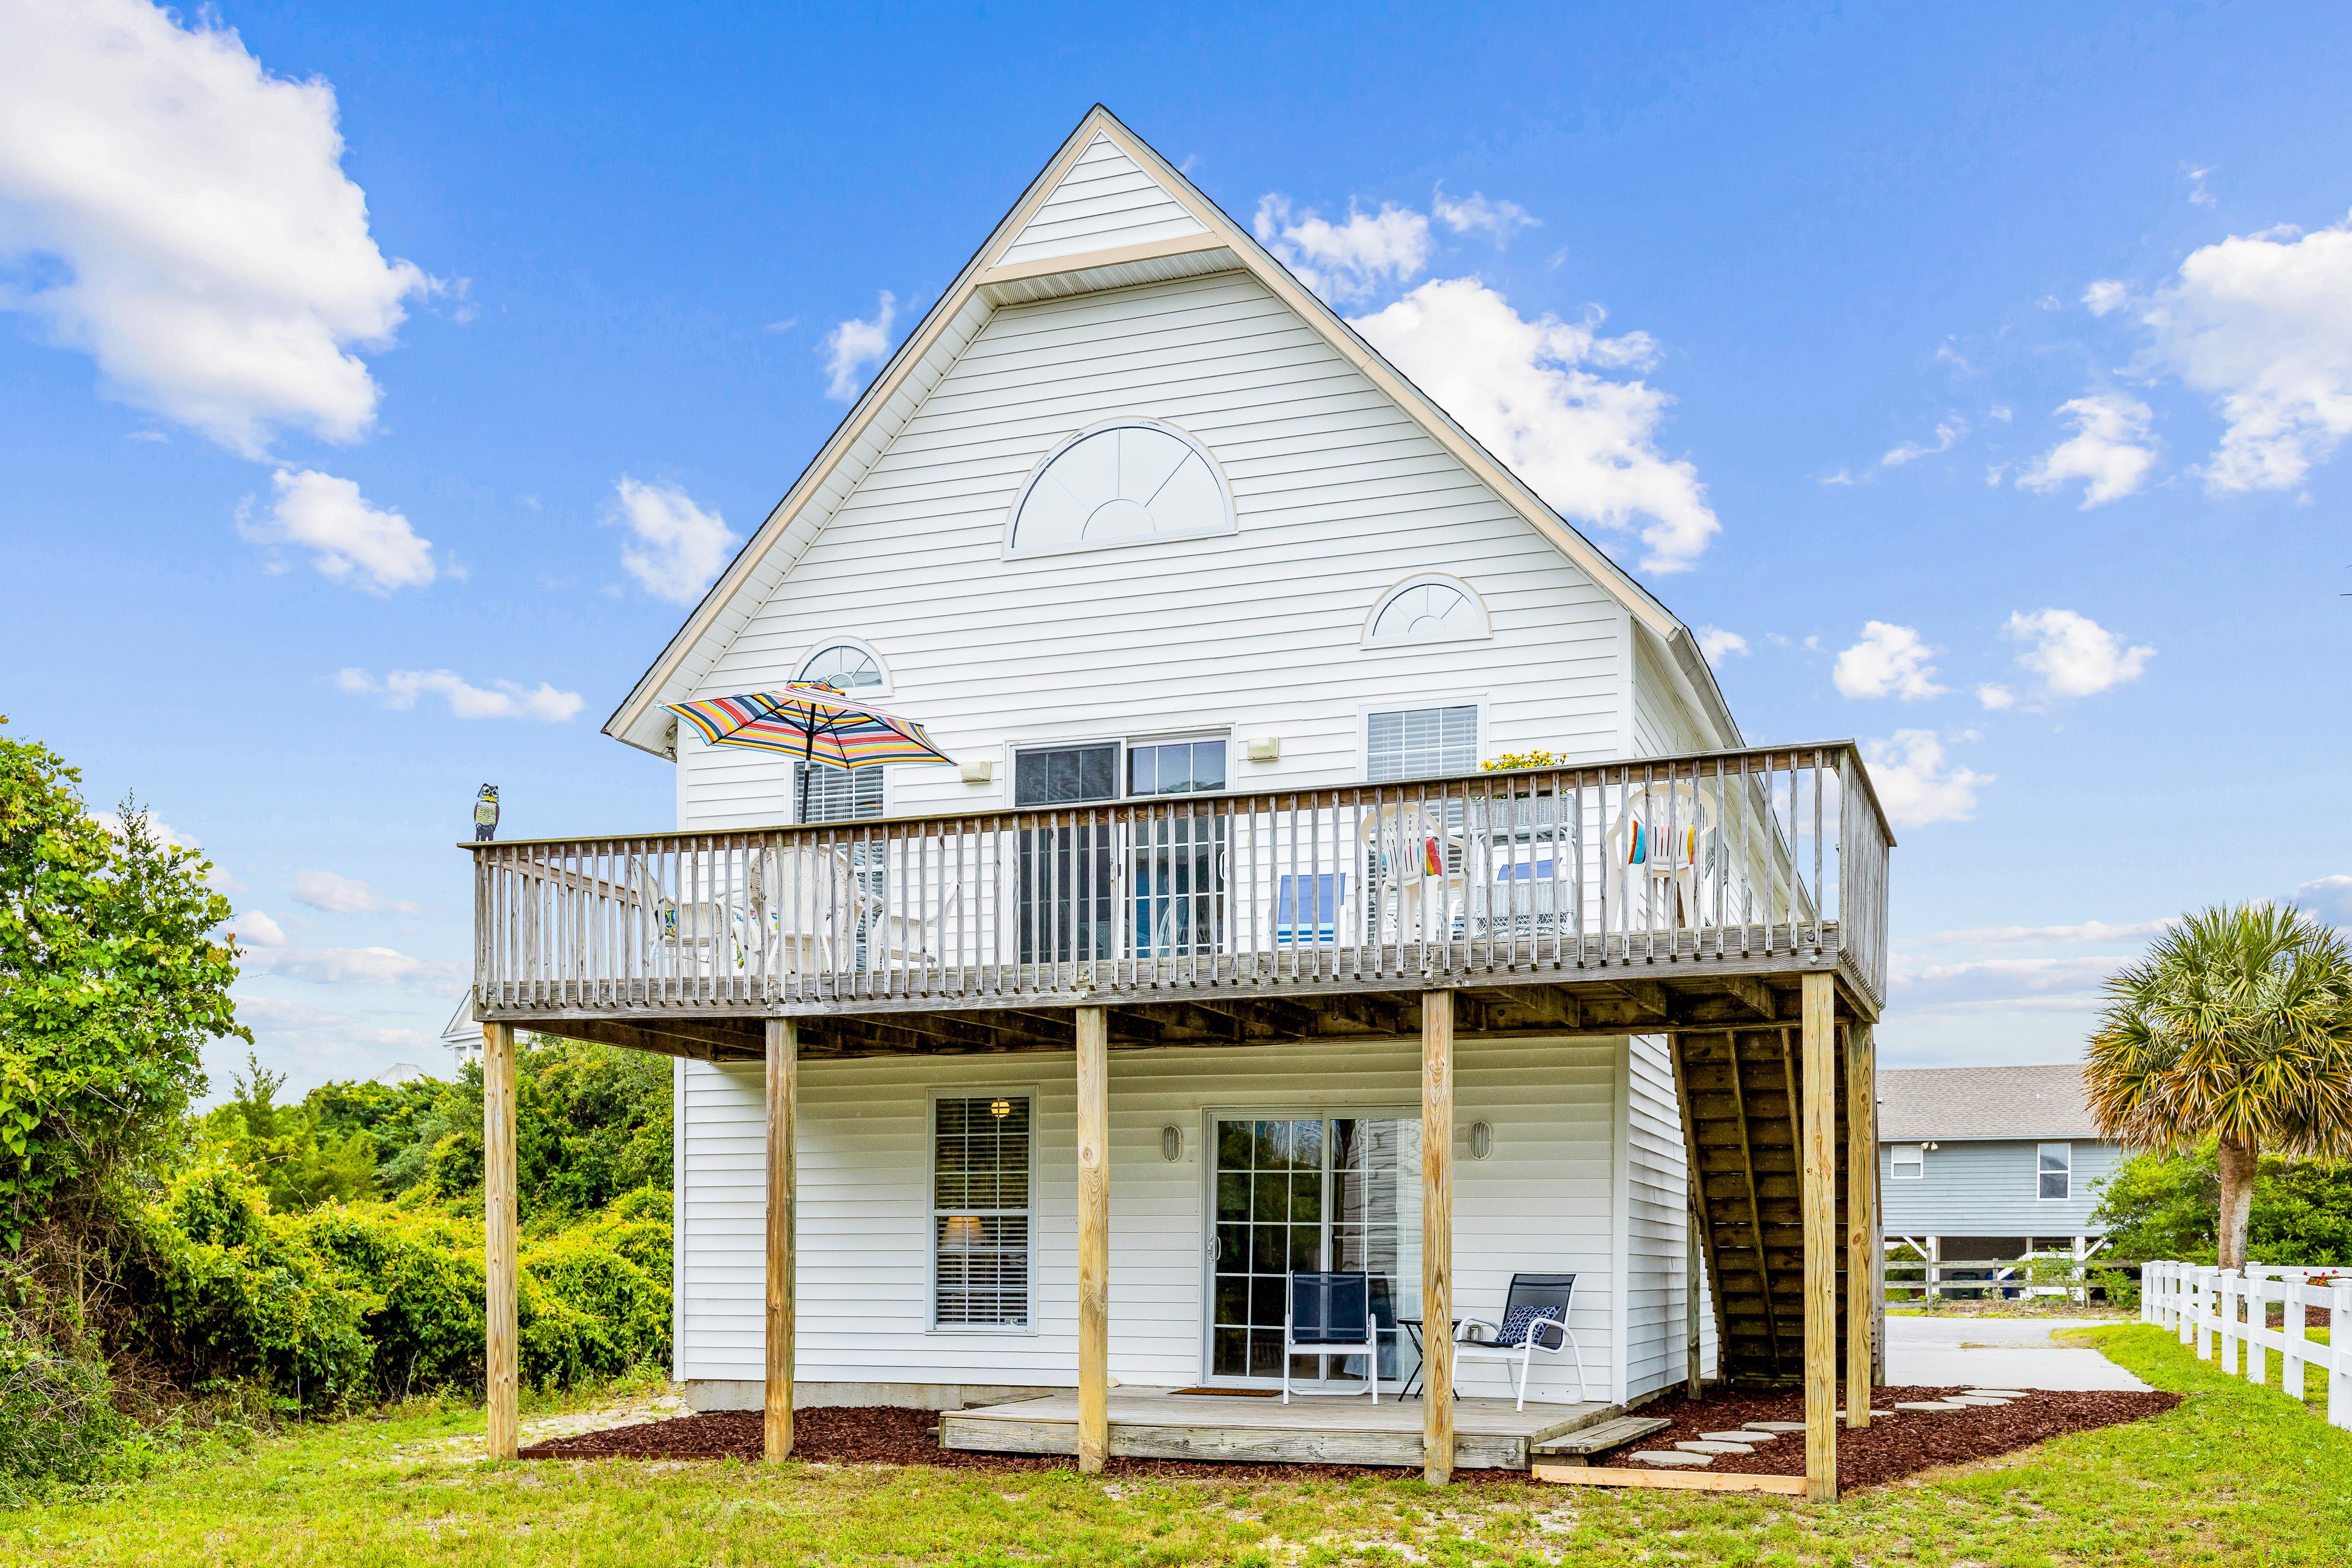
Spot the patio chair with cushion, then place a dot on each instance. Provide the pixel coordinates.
(1331, 1314)
(1535, 1321)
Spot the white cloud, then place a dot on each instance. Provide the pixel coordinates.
(1530, 391)
(1499, 220)
(2329, 898)
(1719, 644)
(2074, 655)
(188, 216)
(855, 346)
(1917, 784)
(679, 547)
(1996, 697)
(2042, 936)
(2002, 984)
(2110, 450)
(1842, 476)
(349, 541)
(1889, 661)
(254, 928)
(316, 1031)
(401, 688)
(1346, 262)
(354, 966)
(1947, 430)
(342, 895)
(2263, 325)
(2106, 297)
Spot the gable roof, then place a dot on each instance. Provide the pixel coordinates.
(1959, 1104)
(1104, 180)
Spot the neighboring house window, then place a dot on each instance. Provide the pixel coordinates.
(2056, 1163)
(980, 1211)
(838, 794)
(1177, 767)
(1121, 484)
(1910, 1162)
(1420, 742)
(1428, 609)
(844, 666)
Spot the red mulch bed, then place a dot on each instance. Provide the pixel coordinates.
(1894, 1447)
(1888, 1449)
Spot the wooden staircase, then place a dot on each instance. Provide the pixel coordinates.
(1741, 1101)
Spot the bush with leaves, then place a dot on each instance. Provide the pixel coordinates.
(2168, 1207)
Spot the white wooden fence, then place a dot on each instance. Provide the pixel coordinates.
(2205, 1305)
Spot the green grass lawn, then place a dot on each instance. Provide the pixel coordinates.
(2237, 1474)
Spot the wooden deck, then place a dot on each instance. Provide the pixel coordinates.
(1151, 1424)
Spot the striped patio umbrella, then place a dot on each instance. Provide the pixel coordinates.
(812, 721)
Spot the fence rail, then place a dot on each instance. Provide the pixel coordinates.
(1751, 860)
(2229, 1309)
(2044, 1273)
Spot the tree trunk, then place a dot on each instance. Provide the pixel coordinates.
(2237, 1200)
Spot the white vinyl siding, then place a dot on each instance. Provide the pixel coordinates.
(1420, 742)
(1104, 202)
(1543, 1200)
(1338, 496)
(1656, 1229)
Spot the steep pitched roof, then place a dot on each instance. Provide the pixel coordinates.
(1963, 1103)
(1104, 180)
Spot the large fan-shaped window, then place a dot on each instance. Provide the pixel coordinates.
(1121, 484)
(844, 666)
(1427, 609)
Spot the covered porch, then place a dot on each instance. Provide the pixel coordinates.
(1734, 899)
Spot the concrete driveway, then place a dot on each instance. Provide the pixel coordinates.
(1997, 1353)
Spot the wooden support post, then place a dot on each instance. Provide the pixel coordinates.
(1438, 1237)
(1861, 1232)
(1878, 1237)
(1819, 1205)
(502, 1241)
(1694, 1340)
(1093, 1240)
(784, 1091)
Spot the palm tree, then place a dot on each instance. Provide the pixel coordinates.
(2236, 1027)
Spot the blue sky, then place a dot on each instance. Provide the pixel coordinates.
(1981, 375)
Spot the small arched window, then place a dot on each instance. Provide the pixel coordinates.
(1124, 483)
(1426, 609)
(845, 666)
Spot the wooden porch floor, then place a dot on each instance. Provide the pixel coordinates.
(1152, 1423)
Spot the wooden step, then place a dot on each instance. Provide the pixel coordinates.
(1573, 1446)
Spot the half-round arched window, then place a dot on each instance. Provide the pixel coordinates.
(845, 666)
(1122, 483)
(1428, 608)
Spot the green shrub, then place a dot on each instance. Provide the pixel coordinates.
(423, 1274)
(58, 1425)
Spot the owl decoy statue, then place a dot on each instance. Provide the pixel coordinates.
(486, 814)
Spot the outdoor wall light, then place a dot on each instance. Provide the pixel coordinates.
(1482, 1140)
(1264, 749)
(982, 770)
(1171, 1142)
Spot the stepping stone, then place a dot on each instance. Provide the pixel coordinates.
(1668, 1457)
(1841, 1414)
(1972, 1399)
(1742, 1436)
(1706, 1448)
(1775, 1427)
(1928, 1405)
(1996, 1392)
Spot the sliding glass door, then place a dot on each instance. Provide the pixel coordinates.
(1304, 1192)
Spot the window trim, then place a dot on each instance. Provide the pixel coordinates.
(793, 800)
(1484, 633)
(1895, 1162)
(826, 642)
(1125, 743)
(931, 1206)
(1364, 711)
(1230, 523)
(2067, 1197)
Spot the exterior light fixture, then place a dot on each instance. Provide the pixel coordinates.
(1482, 1140)
(1171, 1142)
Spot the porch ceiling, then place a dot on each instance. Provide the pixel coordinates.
(1615, 1007)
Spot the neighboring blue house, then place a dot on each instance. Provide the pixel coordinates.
(1990, 1162)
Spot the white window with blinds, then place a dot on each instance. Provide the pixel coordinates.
(1420, 742)
(981, 1220)
(838, 794)
(2055, 1167)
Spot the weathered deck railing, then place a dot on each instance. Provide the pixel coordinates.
(1756, 860)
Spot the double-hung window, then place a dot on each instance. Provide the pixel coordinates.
(2055, 1169)
(1420, 742)
(980, 1211)
(838, 795)
(1910, 1162)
